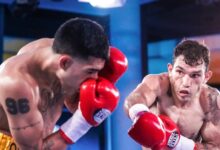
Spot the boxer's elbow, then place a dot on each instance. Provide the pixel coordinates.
(29, 138)
(30, 142)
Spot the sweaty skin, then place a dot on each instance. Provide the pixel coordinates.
(183, 95)
(32, 96)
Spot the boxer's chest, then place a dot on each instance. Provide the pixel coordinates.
(189, 119)
(189, 122)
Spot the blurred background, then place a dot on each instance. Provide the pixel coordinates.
(146, 31)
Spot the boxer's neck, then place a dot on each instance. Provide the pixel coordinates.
(43, 66)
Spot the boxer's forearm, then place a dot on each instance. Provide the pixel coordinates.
(52, 142)
(132, 99)
(141, 95)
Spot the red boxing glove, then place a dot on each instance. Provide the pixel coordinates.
(150, 131)
(98, 98)
(156, 132)
(174, 140)
(172, 136)
(115, 66)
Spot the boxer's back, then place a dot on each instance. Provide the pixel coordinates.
(36, 45)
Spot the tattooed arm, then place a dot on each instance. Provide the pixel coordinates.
(210, 130)
(25, 120)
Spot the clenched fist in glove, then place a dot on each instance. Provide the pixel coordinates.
(115, 66)
(98, 99)
(156, 132)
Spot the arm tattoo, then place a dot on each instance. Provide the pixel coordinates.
(48, 145)
(17, 106)
(212, 98)
(213, 105)
(27, 126)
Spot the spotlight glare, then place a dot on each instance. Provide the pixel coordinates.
(105, 3)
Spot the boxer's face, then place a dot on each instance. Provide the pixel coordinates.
(186, 80)
(78, 70)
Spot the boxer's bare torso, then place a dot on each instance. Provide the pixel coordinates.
(47, 96)
(195, 117)
(198, 120)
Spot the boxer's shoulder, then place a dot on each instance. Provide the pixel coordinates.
(210, 102)
(209, 98)
(14, 65)
(13, 86)
(156, 78)
(159, 82)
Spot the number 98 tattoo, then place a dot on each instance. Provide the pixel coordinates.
(17, 106)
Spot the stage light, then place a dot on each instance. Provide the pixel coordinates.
(105, 3)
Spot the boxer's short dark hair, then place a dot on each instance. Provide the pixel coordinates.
(194, 53)
(80, 37)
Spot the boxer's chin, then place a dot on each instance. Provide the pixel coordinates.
(184, 99)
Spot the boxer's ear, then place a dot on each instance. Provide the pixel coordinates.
(65, 62)
(169, 67)
(208, 75)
